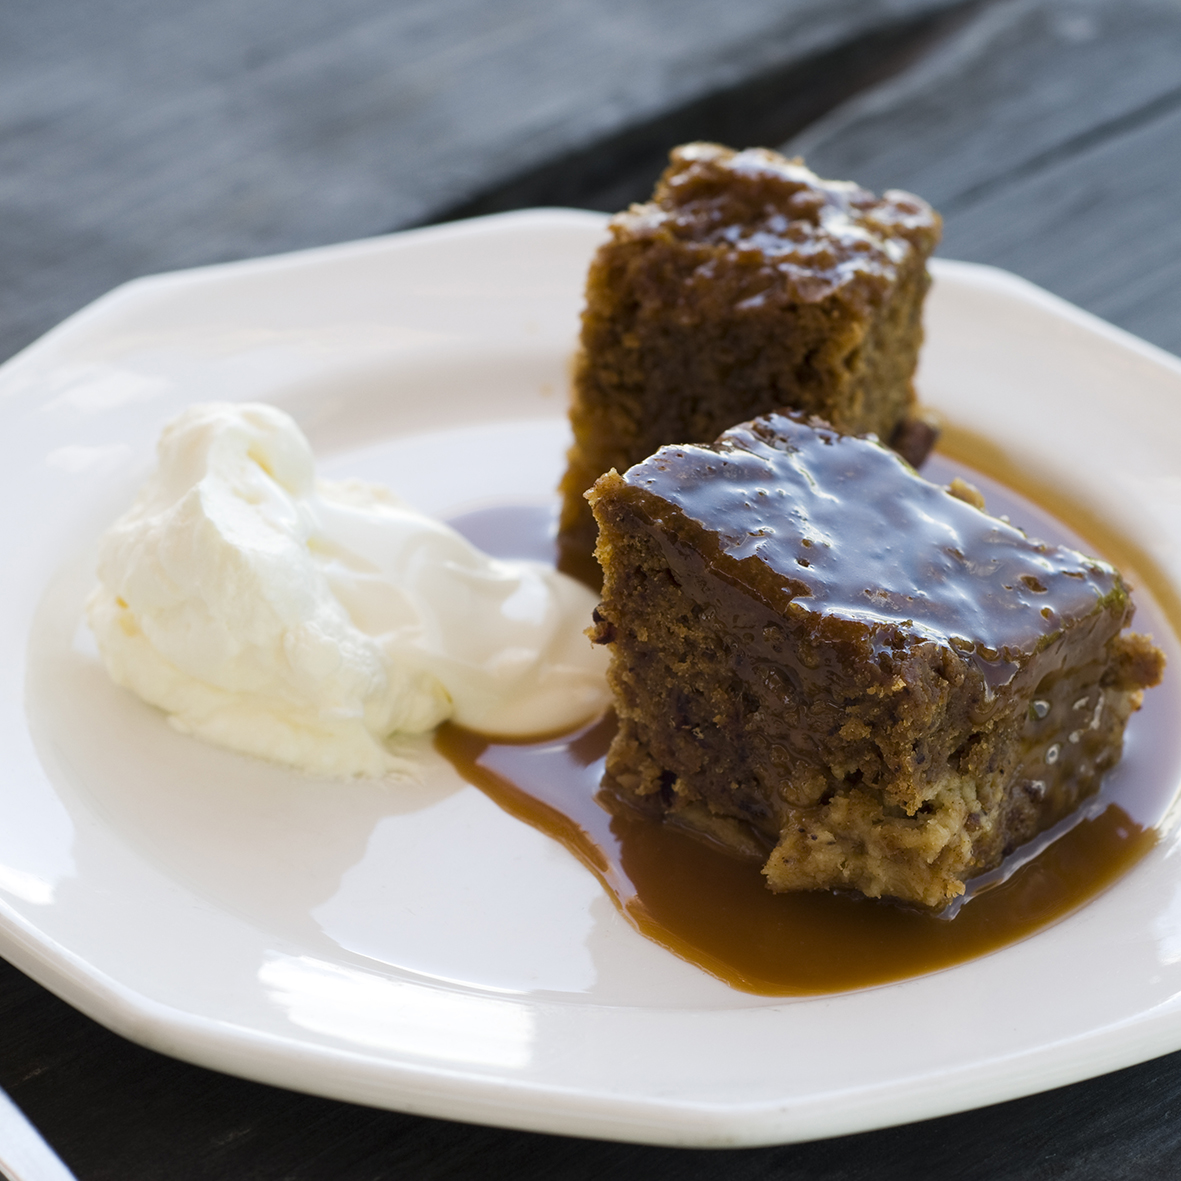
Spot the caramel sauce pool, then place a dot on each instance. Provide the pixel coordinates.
(712, 908)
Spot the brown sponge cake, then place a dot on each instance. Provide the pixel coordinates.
(747, 284)
(821, 657)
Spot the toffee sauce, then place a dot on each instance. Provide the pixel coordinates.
(711, 907)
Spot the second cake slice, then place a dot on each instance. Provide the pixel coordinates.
(747, 284)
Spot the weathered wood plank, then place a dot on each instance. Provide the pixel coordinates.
(763, 109)
(143, 135)
(1049, 134)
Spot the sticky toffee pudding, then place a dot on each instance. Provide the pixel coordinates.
(710, 905)
(823, 659)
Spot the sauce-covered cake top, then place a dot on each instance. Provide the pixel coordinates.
(810, 237)
(836, 525)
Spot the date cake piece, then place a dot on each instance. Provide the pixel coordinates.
(747, 284)
(824, 659)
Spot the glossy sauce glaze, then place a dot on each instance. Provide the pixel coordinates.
(711, 908)
(939, 569)
(793, 236)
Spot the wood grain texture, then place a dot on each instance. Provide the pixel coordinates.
(764, 108)
(1048, 132)
(144, 135)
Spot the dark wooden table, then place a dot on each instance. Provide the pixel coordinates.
(143, 135)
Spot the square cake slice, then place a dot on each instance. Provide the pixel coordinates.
(747, 284)
(822, 658)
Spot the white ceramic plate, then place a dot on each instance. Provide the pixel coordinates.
(415, 948)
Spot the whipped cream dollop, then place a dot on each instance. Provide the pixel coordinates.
(307, 621)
